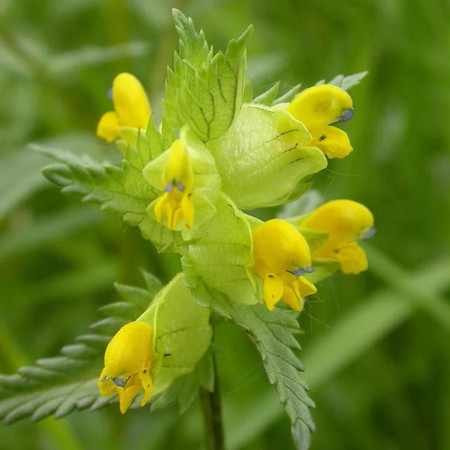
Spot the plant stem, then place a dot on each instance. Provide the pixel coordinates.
(212, 413)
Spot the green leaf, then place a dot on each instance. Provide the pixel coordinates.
(267, 98)
(272, 333)
(59, 401)
(263, 157)
(289, 96)
(345, 82)
(122, 190)
(204, 91)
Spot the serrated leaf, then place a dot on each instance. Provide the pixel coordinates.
(152, 282)
(44, 402)
(204, 91)
(289, 95)
(267, 98)
(122, 309)
(345, 82)
(138, 299)
(280, 363)
(121, 190)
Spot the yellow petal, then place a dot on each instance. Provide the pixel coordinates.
(147, 384)
(352, 258)
(176, 206)
(278, 246)
(178, 168)
(106, 387)
(273, 290)
(292, 299)
(158, 208)
(127, 394)
(333, 142)
(305, 287)
(343, 220)
(187, 208)
(319, 106)
(108, 126)
(130, 102)
(130, 350)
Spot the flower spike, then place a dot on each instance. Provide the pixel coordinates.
(317, 108)
(279, 250)
(346, 222)
(128, 361)
(176, 204)
(132, 108)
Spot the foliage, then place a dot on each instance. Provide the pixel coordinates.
(67, 267)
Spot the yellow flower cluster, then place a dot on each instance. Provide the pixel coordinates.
(281, 254)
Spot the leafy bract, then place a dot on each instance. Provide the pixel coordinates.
(182, 332)
(222, 257)
(263, 157)
(203, 90)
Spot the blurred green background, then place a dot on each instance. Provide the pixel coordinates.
(376, 346)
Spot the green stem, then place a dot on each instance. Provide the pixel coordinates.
(212, 413)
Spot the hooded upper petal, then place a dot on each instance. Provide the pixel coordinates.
(319, 106)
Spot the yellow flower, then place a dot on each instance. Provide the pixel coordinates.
(345, 221)
(176, 204)
(128, 361)
(317, 108)
(280, 255)
(132, 108)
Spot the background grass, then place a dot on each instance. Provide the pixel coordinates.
(375, 346)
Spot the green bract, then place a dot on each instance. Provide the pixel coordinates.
(205, 91)
(222, 258)
(261, 157)
(182, 332)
